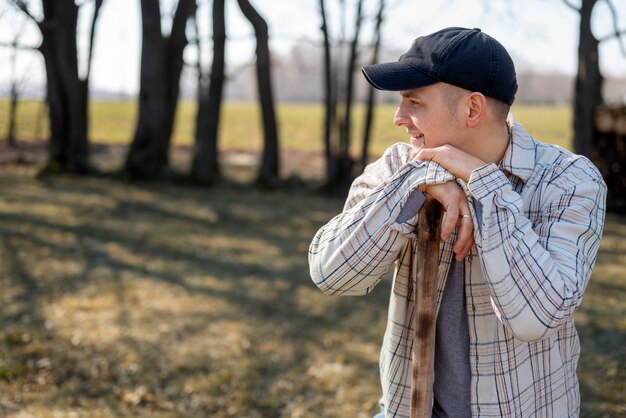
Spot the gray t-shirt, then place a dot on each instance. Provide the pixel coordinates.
(452, 371)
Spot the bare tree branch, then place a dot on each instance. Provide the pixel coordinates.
(18, 46)
(571, 6)
(613, 35)
(617, 33)
(197, 41)
(98, 5)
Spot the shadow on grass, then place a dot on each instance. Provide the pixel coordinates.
(601, 325)
(160, 300)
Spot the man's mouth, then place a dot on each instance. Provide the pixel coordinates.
(417, 140)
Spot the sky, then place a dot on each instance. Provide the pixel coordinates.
(541, 35)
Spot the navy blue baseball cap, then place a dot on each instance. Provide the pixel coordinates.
(467, 58)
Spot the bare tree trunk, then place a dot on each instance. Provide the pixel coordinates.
(330, 97)
(205, 166)
(41, 114)
(67, 93)
(346, 132)
(337, 184)
(142, 159)
(13, 101)
(14, 93)
(339, 86)
(369, 117)
(68, 147)
(161, 66)
(269, 170)
(588, 87)
(175, 45)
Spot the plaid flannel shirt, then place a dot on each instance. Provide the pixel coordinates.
(538, 219)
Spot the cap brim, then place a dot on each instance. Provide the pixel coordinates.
(396, 76)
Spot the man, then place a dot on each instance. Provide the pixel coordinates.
(520, 235)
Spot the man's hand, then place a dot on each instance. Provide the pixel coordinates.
(457, 162)
(450, 194)
(457, 213)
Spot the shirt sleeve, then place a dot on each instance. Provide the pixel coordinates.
(537, 271)
(354, 250)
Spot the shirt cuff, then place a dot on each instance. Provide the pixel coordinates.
(485, 180)
(411, 206)
(435, 174)
(421, 173)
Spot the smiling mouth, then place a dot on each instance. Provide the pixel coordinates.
(417, 140)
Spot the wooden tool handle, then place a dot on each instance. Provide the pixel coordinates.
(425, 272)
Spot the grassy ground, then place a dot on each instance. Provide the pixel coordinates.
(300, 125)
(158, 300)
(126, 300)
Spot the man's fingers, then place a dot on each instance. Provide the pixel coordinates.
(466, 226)
(452, 159)
(449, 221)
(466, 249)
(454, 203)
(424, 154)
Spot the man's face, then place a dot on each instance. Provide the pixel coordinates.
(428, 117)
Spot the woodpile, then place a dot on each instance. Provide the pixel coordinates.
(610, 153)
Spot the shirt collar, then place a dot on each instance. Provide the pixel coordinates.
(519, 157)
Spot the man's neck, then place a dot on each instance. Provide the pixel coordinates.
(492, 143)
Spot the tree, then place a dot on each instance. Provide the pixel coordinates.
(161, 66)
(369, 117)
(338, 95)
(269, 170)
(588, 86)
(330, 98)
(17, 85)
(588, 98)
(205, 167)
(345, 129)
(334, 103)
(67, 91)
(13, 99)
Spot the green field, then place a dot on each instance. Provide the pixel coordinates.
(300, 125)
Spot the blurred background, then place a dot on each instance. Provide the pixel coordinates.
(165, 164)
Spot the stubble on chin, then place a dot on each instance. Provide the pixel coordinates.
(416, 146)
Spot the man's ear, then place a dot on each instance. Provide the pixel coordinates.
(476, 108)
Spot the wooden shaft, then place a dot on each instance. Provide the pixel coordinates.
(425, 272)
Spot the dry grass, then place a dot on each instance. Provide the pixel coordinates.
(601, 323)
(157, 300)
(161, 300)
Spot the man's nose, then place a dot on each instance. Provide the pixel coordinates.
(400, 118)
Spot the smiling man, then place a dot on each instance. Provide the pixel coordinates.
(521, 231)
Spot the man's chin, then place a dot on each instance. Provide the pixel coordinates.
(417, 142)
